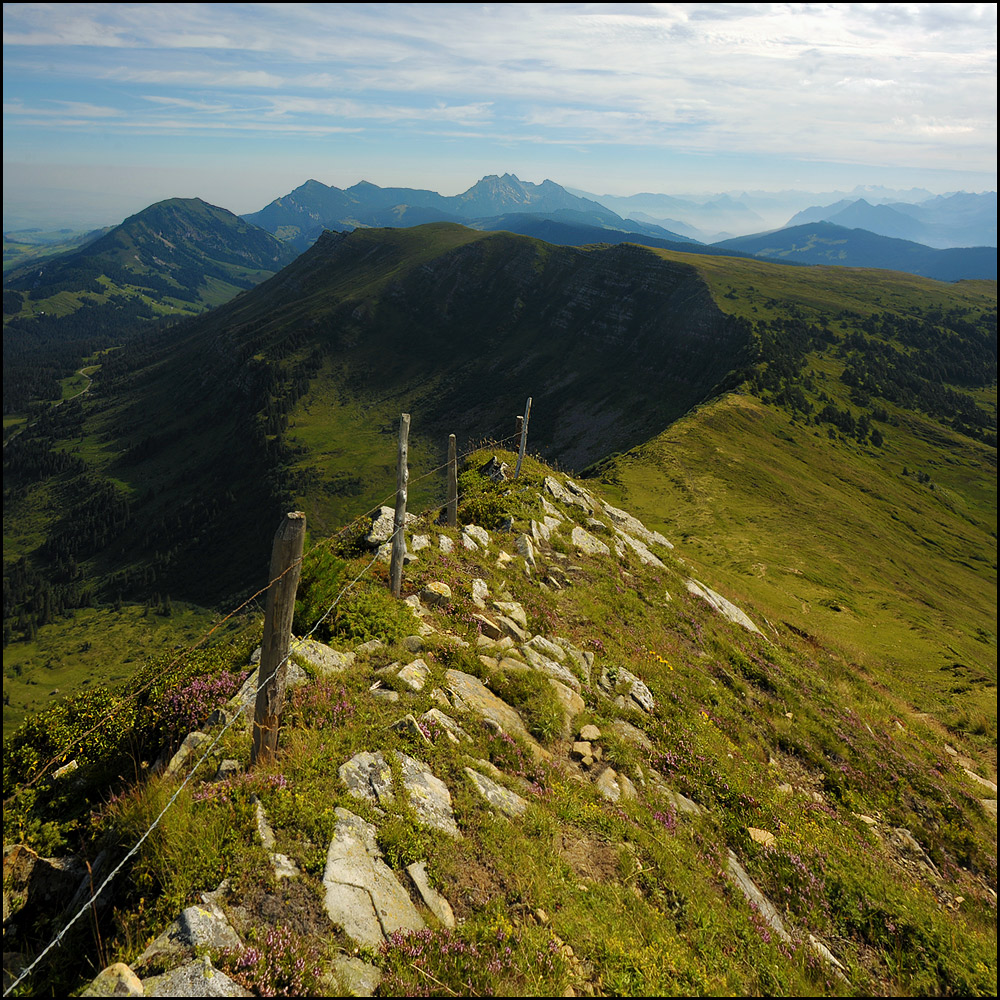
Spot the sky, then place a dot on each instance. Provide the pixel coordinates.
(111, 107)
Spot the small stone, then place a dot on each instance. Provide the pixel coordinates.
(480, 535)
(590, 733)
(512, 629)
(480, 591)
(414, 643)
(445, 544)
(408, 726)
(503, 559)
(420, 542)
(513, 610)
(762, 837)
(436, 593)
(322, 658)
(414, 675)
(370, 646)
(487, 627)
(526, 549)
(433, 900)
(509, 803)
(582, 748)
(229, 768)
(607, 785)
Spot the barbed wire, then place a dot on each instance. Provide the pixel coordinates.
(66, 752)
(89, 905)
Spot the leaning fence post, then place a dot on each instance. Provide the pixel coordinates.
(524, 438)
(452, 481)
(286, 566)
(399, 519)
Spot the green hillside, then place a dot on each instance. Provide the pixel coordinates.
(766, 413)
(600, 834)
(176, 258)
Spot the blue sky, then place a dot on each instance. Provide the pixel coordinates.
(110, 107)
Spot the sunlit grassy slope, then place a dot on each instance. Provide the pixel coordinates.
(840, 540)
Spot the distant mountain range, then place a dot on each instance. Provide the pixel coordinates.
(957, 220)
(826, 243)
(300, 216)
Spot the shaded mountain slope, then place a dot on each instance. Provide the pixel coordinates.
(175, 258)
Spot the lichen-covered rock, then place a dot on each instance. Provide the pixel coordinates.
(414, 675)
(198, 927)
(361, 893)
(469, 694)
(436, 593)
(116, 980)
(509, 803)
(433, 900)
(587, 543)
(322, 658)
(196, 979)
(636, 694)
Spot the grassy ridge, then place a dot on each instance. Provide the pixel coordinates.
(887, 552)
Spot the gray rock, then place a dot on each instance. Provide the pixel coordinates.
(354, 977)
(526, 550)
(383, 693)
(371, 646)
(414, 643)
(479, 535)
(632, 734)
(369, 776)
(550, 668)
(382, 526)
(737, 873)
(509, 803)
(196, 979)
(480, 591)
(192, 747)
(420, 542)
(408, 726)
(445, 544)
(618, 679)
(570, 703)
(245, 700)
(512, 610)
(607, 784)
(322, 658)
(639, 548)
(563, 495)
(433, 900)
(487, 627)
(583, 660)
(197, 927)
(362, 894)
(469, 694)
(436, 593)
(116, 980)
(720, 604)
(590, 733)
(587, 543)
(229, 768)
(512, 629)
(547, 648)
(539, 532)
(414, 675)
(633, 526)
(434, 718)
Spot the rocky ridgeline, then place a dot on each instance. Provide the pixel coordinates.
(361, 893)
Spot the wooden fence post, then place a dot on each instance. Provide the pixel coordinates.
(286, 566)
(524, 438)
(452, 481)
(399, 520)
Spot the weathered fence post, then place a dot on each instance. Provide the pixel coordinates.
(452, 481)
(286, 566)
(524, 438)
(399, 520)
